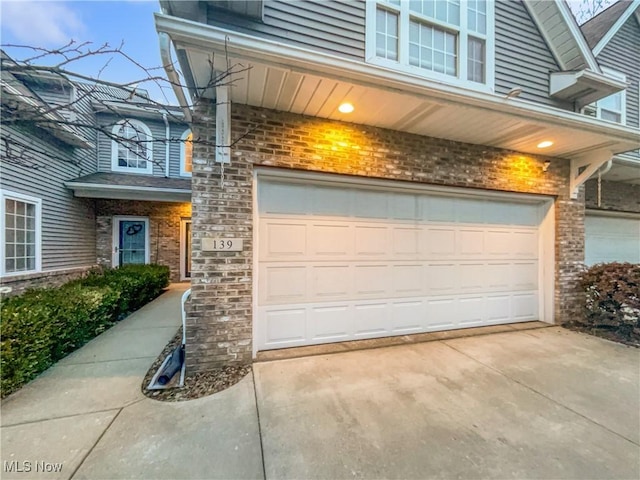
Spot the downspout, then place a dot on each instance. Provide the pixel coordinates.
(172, 74)
(167, 137)
(601, 172)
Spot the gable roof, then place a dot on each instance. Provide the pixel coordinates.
(562, 34)
(599, 30)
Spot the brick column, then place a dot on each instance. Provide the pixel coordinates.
(219, 328)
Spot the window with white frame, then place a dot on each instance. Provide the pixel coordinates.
(450, 40)
(20, 222)
(613, 107)
(134, 152)
(186, 153)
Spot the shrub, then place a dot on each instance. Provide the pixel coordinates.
(43, 325)
(613, 297)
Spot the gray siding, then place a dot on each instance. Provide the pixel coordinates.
(158, 131)
(622, 54)
(523, 58)
(330, 26)
(68, 223)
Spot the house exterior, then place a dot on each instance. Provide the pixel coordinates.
(72, 198)
(384, 167)
(612, 224)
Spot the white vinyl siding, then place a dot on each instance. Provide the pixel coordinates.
(449, 40)
(21, 226)
(343, 263)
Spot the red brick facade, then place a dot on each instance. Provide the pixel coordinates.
(219, 328)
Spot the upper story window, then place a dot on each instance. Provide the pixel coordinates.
(134, 153)
(613, 107)
(20, 223)
(449, 40)
(186, 153)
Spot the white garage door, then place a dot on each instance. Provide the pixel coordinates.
(338, 263)
(611, 239)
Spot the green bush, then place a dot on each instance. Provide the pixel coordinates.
(41, 326)
(613, 297)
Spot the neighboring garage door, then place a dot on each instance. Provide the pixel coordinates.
(338, 263)
(611, 239)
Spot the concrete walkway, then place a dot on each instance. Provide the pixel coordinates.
(88, 414)
(546, 403)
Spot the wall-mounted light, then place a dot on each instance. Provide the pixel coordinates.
(545, 144)
(346, 108)
(545, 165)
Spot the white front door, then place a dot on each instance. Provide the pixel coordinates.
(338, 263)
(130, 240)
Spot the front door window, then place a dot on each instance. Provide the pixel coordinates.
(132, 244)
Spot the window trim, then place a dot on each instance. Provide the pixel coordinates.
(114, 147)
(183, 138)
(20, 197)
(403, 45)
(623, 111)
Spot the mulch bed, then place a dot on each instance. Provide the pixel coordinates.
(196, 385)
(608, 333)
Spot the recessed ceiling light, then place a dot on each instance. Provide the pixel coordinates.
(545, 144)
(346, 108)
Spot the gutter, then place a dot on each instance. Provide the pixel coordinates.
(172, 74)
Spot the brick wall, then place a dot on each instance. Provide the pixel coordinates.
(164, 229)
(616, 196)
(219, 328)
(17, 284)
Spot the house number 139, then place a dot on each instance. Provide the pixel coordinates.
(220, 244)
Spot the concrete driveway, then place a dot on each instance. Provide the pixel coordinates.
(544, 403)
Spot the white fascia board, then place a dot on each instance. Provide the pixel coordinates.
(633, 6)
(583, 85)
(588, 55)
(208, 39)
(96, 187)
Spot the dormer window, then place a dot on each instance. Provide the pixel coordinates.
(134, 152)
(186, 153)
(447, 40)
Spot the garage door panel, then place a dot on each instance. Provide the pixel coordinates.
(407, 280)
(283, 284)
(407, 316)
(371, 241)
(283, 240)
(470, 311)
(331, 240)
(442, 278)
(331, 323)
(284, 326)
(524, 276)
(371, 319)
(525, 244)
(275, 198)
(406, 242)
(333, 202)
(525, 306)
(331, 282)
(372, 280)
(470, 242)
(441, 242)
(360, 263)
(498, 308)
